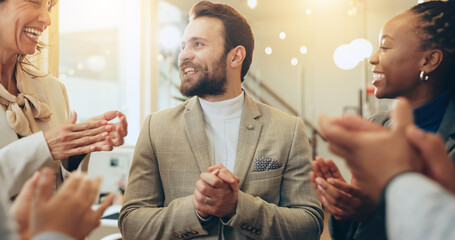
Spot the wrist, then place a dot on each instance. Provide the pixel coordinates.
(390, 179)
(382, 185)
(203, 219)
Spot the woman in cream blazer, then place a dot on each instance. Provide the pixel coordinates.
(36, 126)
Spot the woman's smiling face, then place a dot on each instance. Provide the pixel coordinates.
(398, 60)
(22, 23)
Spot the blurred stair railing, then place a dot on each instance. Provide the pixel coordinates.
(312, 137)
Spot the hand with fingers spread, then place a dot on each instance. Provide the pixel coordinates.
(70, 139)
(372, 165)
(69, 211)
(22, 206)
(342, 200)
(95, 134)
(216, 193)
(119, 129)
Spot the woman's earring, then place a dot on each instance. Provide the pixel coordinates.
(423, 77)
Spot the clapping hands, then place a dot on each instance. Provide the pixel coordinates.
(36, 210)
(216, 192)
(95, 134)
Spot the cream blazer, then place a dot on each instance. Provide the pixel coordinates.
(20, 158)
(172, 151)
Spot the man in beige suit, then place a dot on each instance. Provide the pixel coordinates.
(220, 165)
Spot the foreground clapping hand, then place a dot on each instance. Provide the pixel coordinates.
(67, 212)
(438, 165)
(373, 153)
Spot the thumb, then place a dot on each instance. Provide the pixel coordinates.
(401, 115)
(45, 185)
(108, 116)
(28, 189)
(354, 181)
(438, 164)
(431, 146)
(105, 204)
(336, 134)
(73, 117)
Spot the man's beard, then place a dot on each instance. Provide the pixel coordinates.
(213, 84)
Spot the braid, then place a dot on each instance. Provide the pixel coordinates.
(438, 19)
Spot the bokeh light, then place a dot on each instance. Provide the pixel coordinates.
(252, 3)
(294, 61)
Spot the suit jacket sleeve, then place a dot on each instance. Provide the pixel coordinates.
(431, 217)
(21, 158)
(7, 225)
(342, 229)
(143, 215)
(298, 215)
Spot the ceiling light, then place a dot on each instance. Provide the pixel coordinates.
(268, 50)
(294, 61)
(303, 49)
(282, 35)
(308, 11)
(362, 48)
(252, 3)
(347, 56)
(344, 58)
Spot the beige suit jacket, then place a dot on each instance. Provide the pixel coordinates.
(172, 151)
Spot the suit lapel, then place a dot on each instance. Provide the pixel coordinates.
(195, 131)
(249, 132)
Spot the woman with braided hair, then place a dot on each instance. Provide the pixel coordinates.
(415, 60)
(36, 126)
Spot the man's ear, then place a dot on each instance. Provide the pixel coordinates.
(236, 57)
(432, 60)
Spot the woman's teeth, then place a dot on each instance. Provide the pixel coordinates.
(32, 33)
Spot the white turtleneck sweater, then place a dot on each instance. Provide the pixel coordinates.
(222, 123)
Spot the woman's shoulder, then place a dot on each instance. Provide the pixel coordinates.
(36, 75)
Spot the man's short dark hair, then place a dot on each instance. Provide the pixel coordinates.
(237, 31)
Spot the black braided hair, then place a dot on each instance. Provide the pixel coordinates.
(438, 18)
